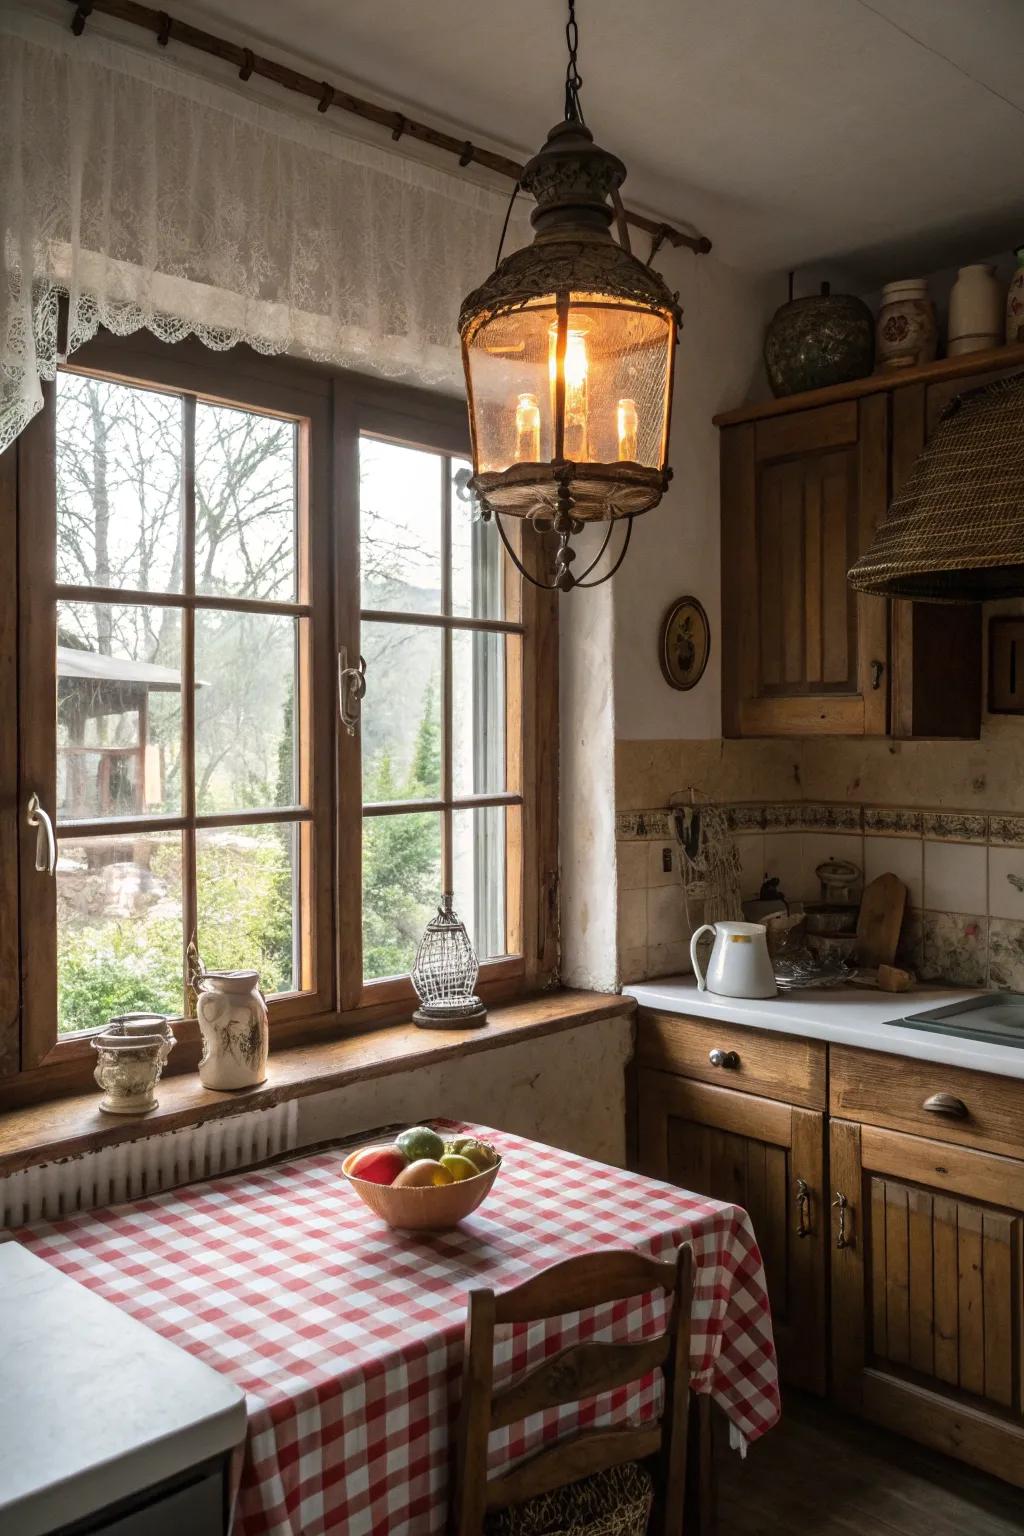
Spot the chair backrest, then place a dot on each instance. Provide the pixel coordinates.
(578, 1372)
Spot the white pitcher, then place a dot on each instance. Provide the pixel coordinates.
(233, 1023)
(740, 965)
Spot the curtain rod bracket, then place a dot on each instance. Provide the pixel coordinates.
(400, 126)
(248, 65)
(327, 99)
(81, 16)
(163, 37)
(468, 153)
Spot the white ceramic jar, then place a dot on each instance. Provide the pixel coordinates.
(128, 1068)
(906, 333)
(975, 311)
(232, 1017)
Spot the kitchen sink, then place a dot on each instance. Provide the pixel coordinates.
(995, 1017)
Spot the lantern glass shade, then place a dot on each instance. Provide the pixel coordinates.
(584, 378)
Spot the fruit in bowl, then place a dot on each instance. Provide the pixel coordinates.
(422, 1182)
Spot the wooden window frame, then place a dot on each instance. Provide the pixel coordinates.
(333, 409)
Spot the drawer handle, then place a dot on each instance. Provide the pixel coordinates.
(844, 1239)
(946, 1104)
(803, 1209)
(728, 1059)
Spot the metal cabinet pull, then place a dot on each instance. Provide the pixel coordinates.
(946, 1104)
(46, 843)
(728, 1059)
(803, 1209)
(877, 668)
(351, 691)
(843, 1238)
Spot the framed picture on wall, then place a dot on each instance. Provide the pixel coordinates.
(684, 643)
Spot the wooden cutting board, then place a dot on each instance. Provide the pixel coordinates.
(880, 920)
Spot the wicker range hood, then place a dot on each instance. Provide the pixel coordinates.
(955, 531)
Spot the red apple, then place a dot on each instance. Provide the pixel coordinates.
(378, 1165)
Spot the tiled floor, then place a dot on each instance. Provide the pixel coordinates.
(823, 1474)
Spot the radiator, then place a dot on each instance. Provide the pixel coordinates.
(132, 1169)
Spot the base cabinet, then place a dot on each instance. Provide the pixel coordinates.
(767, 1157)
(926, 1274)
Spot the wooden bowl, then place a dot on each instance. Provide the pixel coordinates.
(436, 1208)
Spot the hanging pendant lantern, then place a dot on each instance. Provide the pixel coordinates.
(569, 349)
(444, 973)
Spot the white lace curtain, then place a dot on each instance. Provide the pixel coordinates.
(155, 198)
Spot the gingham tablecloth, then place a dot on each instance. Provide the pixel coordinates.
(347, 1337)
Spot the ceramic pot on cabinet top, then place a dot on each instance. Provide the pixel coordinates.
(813, 342)
(232, 1016)
(907, 333)
(740, 965)
(975, 311)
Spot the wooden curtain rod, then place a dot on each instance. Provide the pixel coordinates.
(166, 27)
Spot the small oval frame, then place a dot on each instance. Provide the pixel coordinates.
(674, 675)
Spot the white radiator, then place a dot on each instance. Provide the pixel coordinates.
(145, 1167)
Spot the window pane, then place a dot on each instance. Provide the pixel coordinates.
(245, 503)
(119, 496)
(401, 888)
(399, 527)
(478, 711)
(118, 710)
(477, 564)
(401, 721)
(119, 934)
(246, 747)
(478, 874)
(247, 902)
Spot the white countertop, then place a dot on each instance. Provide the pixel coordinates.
(94, 1406)
(845, 1015)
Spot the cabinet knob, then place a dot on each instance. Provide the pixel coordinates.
(728, 1059)
(946, 1104)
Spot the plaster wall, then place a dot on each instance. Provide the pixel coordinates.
(567, 1090)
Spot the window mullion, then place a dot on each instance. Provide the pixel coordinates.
(447, 721)
(188, 691)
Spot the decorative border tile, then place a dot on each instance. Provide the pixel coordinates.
(832, 816)
(954, 826)
(892, 821)
(647, 825)
(745, 818)
(788, 814)
(1008, 830)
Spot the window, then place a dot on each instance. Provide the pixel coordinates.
(197, 544)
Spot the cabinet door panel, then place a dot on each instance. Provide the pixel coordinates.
(751, 1152)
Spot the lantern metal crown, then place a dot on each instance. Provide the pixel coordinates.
(569, 349)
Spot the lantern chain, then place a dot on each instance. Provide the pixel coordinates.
(573, 78)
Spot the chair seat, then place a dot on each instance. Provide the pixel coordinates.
(616, 1502)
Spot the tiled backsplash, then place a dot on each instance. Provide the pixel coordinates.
(964, 872)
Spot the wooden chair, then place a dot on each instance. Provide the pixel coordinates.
(576, 1373)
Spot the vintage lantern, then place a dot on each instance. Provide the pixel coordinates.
(569, 349)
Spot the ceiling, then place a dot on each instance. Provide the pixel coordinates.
(884, 136)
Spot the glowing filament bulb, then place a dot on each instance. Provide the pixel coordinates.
(627, 422)
(527, 429)
(574, 372)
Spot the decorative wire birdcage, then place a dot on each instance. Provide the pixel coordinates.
(445, 973)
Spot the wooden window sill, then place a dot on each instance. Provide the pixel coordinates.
(65, 1127)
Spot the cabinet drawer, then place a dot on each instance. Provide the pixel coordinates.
(975, 1109)
(757, 1061)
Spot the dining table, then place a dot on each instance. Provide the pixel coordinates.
(346, 1336)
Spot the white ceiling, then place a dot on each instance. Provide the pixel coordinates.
(877, 134)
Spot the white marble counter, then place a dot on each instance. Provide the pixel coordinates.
(845, 1015)
(94, 1406)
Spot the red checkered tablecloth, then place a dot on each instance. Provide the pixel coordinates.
(347, 1337)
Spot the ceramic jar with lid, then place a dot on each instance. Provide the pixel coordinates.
(907, 333)
(232, 1016)
(975, 311)
(128, 1068)
(1015, 302)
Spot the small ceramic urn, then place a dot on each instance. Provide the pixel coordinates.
(232, 1019)
(825, 339)
(975, 311)
(1015, 302)
(128, 1067)
(907, 333)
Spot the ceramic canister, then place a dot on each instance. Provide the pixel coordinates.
(232, 1016)
(906, 333)
(975, 311)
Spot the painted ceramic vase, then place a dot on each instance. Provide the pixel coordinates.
(907, 333)
(813, 342)
(975, 311)
(1015, 301)
(232, 1017)
(128, 1068)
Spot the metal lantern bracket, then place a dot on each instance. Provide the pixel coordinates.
(565, 554)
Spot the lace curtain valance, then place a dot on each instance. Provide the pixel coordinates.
(155, 198)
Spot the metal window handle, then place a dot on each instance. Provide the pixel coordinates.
(728, 1059)
(46, 843)
(946, 1104)
(877, 668)
(803, 1209)
(844, 1239)
(351, 691)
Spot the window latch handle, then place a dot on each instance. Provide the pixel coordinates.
(46, 843)
(351, 690)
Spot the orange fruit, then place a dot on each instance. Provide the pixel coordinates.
(422, 1174)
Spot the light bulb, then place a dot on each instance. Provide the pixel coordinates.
(575, 370)
(527, 429)
(627, 423)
